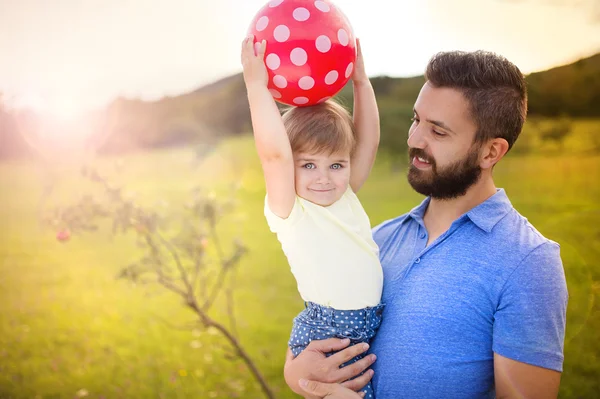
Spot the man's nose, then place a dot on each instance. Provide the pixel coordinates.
(416, 137)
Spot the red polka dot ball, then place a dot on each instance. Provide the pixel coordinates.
(311, 49)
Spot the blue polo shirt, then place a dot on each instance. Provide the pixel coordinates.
(491, 283)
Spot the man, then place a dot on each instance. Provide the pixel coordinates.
(475, 297)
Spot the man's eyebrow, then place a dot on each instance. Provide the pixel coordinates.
(440, 124)
(436, 123)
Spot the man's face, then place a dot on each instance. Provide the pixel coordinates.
(444, 162)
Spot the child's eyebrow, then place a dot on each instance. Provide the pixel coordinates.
(313, 160)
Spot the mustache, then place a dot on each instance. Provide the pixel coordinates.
(417, 152)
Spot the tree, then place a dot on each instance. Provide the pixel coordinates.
(557, 132)
(180, 262)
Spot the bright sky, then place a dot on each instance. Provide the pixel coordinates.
(67, 55)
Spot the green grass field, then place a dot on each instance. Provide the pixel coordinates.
(69, 328)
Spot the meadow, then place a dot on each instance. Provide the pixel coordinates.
(69, 328)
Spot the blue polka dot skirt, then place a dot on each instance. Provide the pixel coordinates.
(322, 322)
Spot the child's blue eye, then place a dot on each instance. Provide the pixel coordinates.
(309, 165)
(336, 166)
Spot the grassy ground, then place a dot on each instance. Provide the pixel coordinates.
(68, 328)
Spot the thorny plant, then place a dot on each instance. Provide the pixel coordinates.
(178, 264)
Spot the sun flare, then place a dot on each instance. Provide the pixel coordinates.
(63, 108)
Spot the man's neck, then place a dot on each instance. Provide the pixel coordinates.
(441, 213)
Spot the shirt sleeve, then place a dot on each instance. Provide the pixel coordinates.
(530, 320)
(277, 224)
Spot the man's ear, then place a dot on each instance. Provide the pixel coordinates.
(493, 151)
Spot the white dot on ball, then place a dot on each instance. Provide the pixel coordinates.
(323, 100)
(273, 61)
(323, 44)
(322, 6)
(349, 69)
(343, 37)
(280, 81)
(281, 33)
(262, 23)
(306, 83)
(331, 77)
(301, 14)
(300, 100)
(275, 93)
(275, 3)
(298, 56)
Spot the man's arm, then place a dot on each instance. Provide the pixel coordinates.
(521, 380)
(270, 137)
(366, 121)
(312, 364)
(529, 327)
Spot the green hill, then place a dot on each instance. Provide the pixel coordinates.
(221, 109)
(572, 90)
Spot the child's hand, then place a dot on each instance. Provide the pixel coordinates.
(359, 75)
(255, 71)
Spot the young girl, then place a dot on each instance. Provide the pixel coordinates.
(314, 160)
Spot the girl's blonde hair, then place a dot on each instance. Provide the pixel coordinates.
(321, 128)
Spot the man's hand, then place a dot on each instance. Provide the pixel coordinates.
(331, 391)
(312, 364)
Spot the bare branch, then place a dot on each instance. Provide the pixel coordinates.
(184, 275)
(239, 351)
(173, 326)
(168, 284)
(216, 288)
(230, 310)
(222, 271)
(178, 279)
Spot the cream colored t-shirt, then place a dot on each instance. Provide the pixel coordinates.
(331, 252)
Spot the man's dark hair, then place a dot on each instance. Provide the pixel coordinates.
(494, 87)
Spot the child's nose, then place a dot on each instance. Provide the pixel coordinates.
(323, 177)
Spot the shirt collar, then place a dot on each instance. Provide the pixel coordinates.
(485, 215)
(418, 211)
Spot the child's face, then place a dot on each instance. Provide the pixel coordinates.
(321, 178)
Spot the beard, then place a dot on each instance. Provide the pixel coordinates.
(446, 183)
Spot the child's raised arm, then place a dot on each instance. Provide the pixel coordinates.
(272, 143)
(366, 121)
